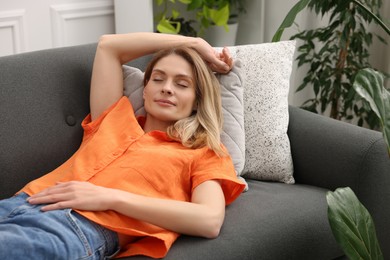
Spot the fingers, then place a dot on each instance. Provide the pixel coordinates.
(56, 206)
(220, 62)
(223, 62)
(56, 196)
(220, 68)
(227, 57)
(73, 194)
(52, 199)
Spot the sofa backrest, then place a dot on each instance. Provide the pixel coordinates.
(44, 96)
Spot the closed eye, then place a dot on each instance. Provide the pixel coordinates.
(183, 83)
(157, 79)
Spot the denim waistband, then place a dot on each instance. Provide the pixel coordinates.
(57, 234)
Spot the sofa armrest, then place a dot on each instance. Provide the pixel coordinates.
(330, 154)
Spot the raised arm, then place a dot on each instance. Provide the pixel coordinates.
(117, 49)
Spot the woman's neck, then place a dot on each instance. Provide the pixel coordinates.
(155, 125)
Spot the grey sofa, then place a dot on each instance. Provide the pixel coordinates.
(44, 96)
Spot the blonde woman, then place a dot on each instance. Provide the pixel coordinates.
(134, 184)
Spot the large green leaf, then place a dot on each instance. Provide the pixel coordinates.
(352, 225)
(290, 18)
(369, 85)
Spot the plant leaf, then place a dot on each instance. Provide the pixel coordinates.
(166, 26)
(175, 14)
(369, 85)
(290, 18)
(352, 225)
(194, 4)
(372, 15)
(219, 17)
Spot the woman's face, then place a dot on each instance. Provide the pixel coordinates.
(169, 95)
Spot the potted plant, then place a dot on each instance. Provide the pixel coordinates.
(223, 34)
(339, 67)
(205, 14)
(350, 221)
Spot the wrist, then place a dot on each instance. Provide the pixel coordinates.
(114, 199)
(119, 200)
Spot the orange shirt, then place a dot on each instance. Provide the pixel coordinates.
(117, 153)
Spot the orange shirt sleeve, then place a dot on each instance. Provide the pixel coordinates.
(90, 126)
(210, 166)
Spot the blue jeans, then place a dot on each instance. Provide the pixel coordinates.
(28, 232)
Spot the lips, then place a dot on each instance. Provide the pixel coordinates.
(165, 102)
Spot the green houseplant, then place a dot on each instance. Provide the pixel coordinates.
(339, 71)
(350, 221)
(206, 13)
(352, 225)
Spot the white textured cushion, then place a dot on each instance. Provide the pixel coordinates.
(233, 132)
(267, 68)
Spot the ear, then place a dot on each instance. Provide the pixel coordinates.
(143, 93)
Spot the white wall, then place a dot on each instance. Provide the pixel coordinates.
(27, 25)
(133, 16)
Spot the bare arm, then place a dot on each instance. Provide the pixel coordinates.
(117, 49)
(203, 216)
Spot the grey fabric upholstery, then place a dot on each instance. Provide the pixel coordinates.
(270, 221)
(44, 96)
(330, 154)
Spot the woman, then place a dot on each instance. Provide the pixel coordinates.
(134, 184)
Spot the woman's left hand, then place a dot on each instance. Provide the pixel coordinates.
(225, 57)
(73, 194)
(220, 62)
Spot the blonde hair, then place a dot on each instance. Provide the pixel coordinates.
(203, 127)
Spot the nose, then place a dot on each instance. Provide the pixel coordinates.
(167, 88)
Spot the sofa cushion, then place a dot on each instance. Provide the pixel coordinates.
(274, 221)
(267, 68)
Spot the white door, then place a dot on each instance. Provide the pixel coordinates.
(29, 25)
